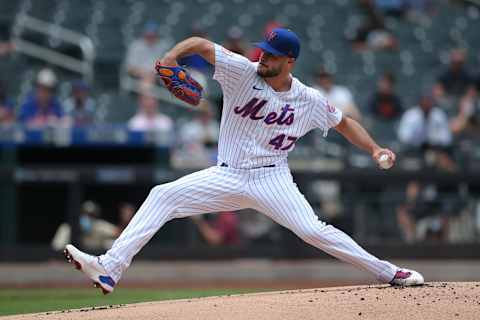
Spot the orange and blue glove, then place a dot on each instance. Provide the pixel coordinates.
(180, 83)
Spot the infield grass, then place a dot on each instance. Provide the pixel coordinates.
(18, 301)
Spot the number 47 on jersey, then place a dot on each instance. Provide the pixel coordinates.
(283, 142)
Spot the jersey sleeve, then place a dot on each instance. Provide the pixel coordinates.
(325, 115)
(229, 67)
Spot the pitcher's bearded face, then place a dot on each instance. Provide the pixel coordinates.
(270, 65)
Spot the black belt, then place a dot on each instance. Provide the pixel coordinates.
(269, 166)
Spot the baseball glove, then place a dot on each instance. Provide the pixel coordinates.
(180, 83)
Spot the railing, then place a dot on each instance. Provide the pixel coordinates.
(83, 66)
(101, 135)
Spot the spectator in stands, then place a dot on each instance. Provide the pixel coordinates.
(456, 79)
(7, 115)
(372, 33)
(385, 104)
(96, 233)
(143, 52)
(220, 229)
(338, 96)
(202, 132)
(467, 121)
(425, 126)
(42, 108)
(80, 107)
(429, 206)
(148, 118)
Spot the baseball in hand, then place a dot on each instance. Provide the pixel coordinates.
(385, 162)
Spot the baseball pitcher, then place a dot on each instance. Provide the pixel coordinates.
(265, 111)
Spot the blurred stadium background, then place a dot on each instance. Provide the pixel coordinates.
(76, 169)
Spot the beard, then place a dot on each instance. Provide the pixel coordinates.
(268, 73)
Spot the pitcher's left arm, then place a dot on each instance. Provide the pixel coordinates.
(357, 135)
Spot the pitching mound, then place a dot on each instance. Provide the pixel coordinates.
(448, 300)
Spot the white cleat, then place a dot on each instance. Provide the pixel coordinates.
(91, 266)
(407, 278)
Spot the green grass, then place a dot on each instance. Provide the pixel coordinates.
(18, 301)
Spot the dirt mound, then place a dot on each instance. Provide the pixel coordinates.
(447, 300)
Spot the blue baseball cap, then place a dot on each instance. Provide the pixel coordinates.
(150, 27)
(281, 42)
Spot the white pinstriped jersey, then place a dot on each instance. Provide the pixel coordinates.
(260, 126)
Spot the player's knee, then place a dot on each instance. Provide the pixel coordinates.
(165, 194)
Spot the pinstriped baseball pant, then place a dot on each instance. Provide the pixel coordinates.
(268, 190)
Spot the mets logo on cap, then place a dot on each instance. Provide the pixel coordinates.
(272, 35)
